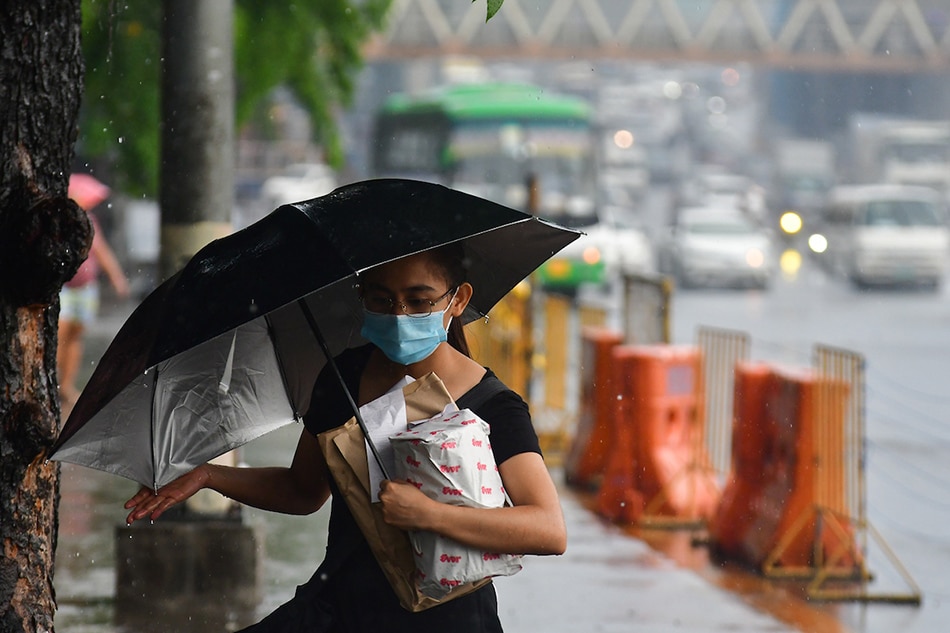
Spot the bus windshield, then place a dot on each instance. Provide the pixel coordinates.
(491, 140)
(496, 161)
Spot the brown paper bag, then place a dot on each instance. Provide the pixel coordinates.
(345, 452)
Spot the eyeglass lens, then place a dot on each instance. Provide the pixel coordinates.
(413, 306)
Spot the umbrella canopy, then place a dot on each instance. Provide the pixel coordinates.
(225, 350)
(87, 191)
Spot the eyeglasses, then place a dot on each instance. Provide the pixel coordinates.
(415, 307)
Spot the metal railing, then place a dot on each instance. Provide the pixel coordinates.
(872, 35)
(721, 350)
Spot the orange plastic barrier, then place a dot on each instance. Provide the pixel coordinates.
(584, 464)
(770, 497)
(658, 464)
(738, 530)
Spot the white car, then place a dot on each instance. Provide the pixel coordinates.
(721, 247)
(298, 182)
(605, 252)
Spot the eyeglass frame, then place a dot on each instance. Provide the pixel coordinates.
(405, 308)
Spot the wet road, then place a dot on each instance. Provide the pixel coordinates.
(905, 340)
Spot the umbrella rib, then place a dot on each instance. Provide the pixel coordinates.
(312, 322)
(151, 431)
(272, 334)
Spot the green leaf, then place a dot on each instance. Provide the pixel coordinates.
(493, 7)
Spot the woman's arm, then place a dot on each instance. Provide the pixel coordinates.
(104, 254)
(534, 524)
(302, 488)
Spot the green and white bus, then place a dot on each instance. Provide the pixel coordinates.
(491, 140)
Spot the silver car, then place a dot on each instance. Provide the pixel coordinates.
(718, 247)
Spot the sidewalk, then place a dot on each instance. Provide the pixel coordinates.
(608, 581)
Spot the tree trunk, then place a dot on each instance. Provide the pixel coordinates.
(43, 239)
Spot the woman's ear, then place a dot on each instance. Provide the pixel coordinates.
(462, 297)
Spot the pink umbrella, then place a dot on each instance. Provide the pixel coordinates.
(87, 191)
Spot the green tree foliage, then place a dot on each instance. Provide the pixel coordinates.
(310, 46)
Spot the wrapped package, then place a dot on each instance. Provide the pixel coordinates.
(345, 451)
(449, 458)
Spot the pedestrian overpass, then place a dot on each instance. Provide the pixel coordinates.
(887, 36)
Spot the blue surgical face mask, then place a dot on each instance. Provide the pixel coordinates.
(402, 338)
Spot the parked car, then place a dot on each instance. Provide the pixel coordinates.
(713, 246)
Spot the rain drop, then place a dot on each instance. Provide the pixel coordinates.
(121, 140)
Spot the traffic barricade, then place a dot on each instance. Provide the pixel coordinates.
(555, 400)
(657, 472)
(591, 442)
(767, 517)
(743, 526)
(504, 341)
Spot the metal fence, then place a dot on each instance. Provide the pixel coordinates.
(721, 350)
(645, 312)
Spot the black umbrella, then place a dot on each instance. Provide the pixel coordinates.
(228, 348)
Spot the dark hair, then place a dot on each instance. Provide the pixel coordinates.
(451, 259)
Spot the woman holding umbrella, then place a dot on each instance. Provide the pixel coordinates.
(413, 319)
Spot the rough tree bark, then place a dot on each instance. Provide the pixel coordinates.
(43, 239)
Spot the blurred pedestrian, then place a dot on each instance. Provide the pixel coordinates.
(79, 298)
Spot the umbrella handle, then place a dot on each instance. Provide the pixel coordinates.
(312, 322)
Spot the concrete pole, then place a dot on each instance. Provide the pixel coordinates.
(197, 166)
(205, 566)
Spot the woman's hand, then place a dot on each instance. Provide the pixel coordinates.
(405, 506)
(153, 504)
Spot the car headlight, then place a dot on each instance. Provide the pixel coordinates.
(755, 258)
(790, 222)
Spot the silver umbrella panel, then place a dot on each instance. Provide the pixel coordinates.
(200, 404)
